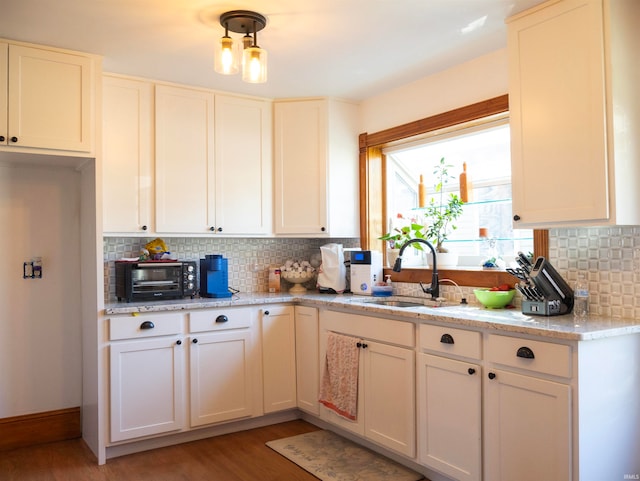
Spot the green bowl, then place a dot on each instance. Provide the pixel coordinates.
(494, 299)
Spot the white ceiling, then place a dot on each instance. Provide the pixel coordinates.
(352, 49)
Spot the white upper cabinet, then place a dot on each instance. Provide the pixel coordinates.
(4, 93)
(316, 168)
(46, 99)
(208, 172)
(573, 79)
(185, 185)
(127, 146)
(243, 166)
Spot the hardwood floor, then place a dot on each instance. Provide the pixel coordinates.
(240, 456)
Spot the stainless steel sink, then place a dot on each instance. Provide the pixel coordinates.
(395, 302)
(398, 303)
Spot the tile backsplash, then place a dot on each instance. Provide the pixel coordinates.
(610, 259)
(609, 256)
(249, 258)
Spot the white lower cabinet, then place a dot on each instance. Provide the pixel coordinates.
(217, 392)
(278, 358)
(386, 382)
(389, 396)
(222, 365)
(528, 428)
(528, 433)
(450, 416)
(514, 422)
(307, 359)
(450, 401)
(468, 405)
(151, 354)
(146, 376)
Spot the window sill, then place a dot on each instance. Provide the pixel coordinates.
(462, 277)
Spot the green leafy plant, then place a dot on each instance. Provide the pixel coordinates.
(442, 212)
(400, 235)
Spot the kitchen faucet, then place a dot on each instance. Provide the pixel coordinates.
(434, 288)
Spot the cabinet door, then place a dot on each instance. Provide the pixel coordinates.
(243, 165)
(147, 384)
(450, 416)
(300, 167)
(278, 358)
(343, 170)
(50, 99)
(527, 428)
(127, 140)
(389, 396)
(221, 366)
(307, 359)
(185, 189)
(4, 89)
(557, 111)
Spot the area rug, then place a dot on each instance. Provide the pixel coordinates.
(330, 457)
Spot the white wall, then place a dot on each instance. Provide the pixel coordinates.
(479, 79)
(40, 321)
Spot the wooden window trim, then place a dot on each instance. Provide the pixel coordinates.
(373, 181)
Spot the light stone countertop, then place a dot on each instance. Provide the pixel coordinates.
(507, 321)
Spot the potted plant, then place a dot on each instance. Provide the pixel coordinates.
(441, 212)
(397, 237)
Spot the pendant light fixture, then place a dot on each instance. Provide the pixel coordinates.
(226, 55)
(229, 53)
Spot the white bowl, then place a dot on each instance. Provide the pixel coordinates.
(297, 278)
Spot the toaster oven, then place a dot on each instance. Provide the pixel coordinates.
(155, 280)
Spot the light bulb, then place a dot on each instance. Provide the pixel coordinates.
(226, 59)
(227, 56)
(254, 65)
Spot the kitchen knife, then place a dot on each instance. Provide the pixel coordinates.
(522, 291)
(523, 261)
(519, 273)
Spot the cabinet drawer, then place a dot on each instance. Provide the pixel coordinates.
(451, 341)
(219, 319)
(389, 331)
(548, 358)
(145, 326)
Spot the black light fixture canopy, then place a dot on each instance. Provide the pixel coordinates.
(243, 21)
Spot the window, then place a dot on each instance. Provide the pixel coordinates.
(374, 181)
(484, 230)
